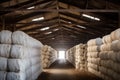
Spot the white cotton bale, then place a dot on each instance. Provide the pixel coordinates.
(104, 55)
(118, 56)
(112, 55)
(35, 52)
(103, 70)
(95, 61)
(19, 52)
(105, 47)
(3, 75)
(3, 64)
(93, 49)
(94, 66)
(16, 76)
(19, 37)
(115, 45)
(115, 35)
(35, 60)
(107, 39)
(116, 67)
(97, 73)
(107, 63)
(93, 54)
(5, 50)
(29, 74)
(5, 37)
(17, 65)
(35, 71)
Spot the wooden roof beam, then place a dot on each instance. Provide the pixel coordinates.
(38, 31)
(42, 26)
(37, 22)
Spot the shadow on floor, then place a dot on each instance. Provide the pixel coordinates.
(63, 70)
(61, 64)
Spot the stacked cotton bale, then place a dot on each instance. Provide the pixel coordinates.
(80, 56)
(49, 55)
(24, 61)
(93, 55)
(77, 56)
(110, 56)
(71, 55)
(5, 48)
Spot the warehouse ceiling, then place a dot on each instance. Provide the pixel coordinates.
(61, 23)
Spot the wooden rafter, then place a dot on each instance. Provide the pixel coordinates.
(37, 22)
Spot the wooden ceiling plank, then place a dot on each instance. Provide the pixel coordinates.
(37, 22)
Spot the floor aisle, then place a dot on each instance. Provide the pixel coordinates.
(63, 70)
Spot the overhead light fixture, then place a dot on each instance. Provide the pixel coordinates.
(53, 38)
(48, 32)
(91, 17)
(55, 29)
(69, 22)
(46, 28)
(81, 26)
(38, 19)
(32, 7)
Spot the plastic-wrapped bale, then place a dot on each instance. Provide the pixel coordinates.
(16, 76)
(3, 64)
(5, 37)
(20, 38)
(5, 50)
(3, 75)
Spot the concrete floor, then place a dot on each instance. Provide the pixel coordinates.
(63, 70)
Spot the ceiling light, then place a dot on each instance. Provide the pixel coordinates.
(81, 26)
(46, 28)
(53, 38)
(48, 32)
(31, 7)
(55, 29)
(91, 17)
(38, 19)
(69, 22)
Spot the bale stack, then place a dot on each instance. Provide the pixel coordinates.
(71, 55)
(93, 55)
(5, 48)
(24, 61)
(110, 56)
(80, 56)
(49, 55)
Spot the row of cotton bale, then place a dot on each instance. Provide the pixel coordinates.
(5, 48)
(110, 56)
(49, 55)
(22, 56)
(70, 55)
(93, 59)
(81, 56)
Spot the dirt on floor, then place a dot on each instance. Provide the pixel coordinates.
(63, 70)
